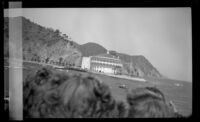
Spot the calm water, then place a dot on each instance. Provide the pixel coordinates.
(181, 95)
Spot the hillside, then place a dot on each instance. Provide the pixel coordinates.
(133, 65)
(46, 44)
(41, 43)
(140, 66)
(90, 49)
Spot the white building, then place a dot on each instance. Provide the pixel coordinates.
(104, 63)
(85, 63)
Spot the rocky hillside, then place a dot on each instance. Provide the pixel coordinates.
(41, 43)
(136, 65)
(46, 44)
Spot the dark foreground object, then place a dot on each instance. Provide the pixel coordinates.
(49, 94)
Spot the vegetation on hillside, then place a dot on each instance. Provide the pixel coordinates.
(44, 44)
(138, 65)
(51, 46)
(91, 49)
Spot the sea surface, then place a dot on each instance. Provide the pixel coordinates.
(180, 92)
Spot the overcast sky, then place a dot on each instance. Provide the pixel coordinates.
(162, 35)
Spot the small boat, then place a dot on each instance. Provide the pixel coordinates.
(177, 84)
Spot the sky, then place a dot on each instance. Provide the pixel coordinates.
(162, 35)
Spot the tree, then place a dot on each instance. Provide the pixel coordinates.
(71, 43)
(60, 60)
(65, 36)
(57, 32)
(47, 60)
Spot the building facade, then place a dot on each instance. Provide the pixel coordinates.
(85, 63)
(104, 63)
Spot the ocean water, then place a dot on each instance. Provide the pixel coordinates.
(179, 92)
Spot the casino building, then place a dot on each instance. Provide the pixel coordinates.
(105, 63)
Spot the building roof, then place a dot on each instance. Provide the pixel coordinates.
(107, 55)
